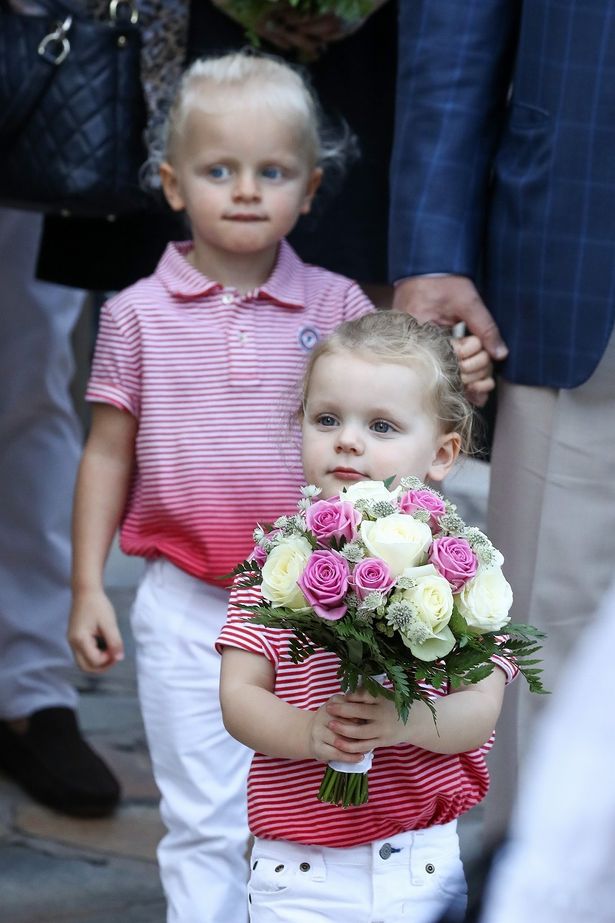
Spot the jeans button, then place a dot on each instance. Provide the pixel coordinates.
(385, 850)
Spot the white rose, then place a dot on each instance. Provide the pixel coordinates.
(428, 636)
(398, 539)
(283, 567)
(369, 490)
(484, 602)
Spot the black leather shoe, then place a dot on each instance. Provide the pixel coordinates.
(55, 765)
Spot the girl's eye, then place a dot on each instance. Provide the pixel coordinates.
(381, 426)
(325, 419)
(219, 171)
(272, 172)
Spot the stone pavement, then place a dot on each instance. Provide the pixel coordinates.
(55, 869)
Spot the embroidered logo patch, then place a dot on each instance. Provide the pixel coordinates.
(308, 338)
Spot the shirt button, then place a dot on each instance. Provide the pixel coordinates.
(385, 850)
(227, 299)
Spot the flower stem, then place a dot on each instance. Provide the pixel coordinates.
(343, 788)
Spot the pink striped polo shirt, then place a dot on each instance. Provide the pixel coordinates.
(210, 375)
(409, 788)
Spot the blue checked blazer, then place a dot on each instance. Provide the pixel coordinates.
(504, 169)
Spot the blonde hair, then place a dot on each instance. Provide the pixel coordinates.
(395, 337)
(256, 80)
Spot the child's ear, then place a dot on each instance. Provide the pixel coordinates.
(170, 186)
(447, 450)
(313, 183)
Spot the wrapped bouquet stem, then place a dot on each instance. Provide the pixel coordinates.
(346, 783)
(394, 584)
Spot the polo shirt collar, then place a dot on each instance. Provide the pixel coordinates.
(285, 285)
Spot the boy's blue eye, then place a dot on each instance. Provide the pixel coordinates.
(381, 426)
(219, 171)
(272, 172)
(326, 419)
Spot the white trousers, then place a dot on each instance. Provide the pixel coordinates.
(40, 445)
(200, 770)
(410, 878)
(552, 514)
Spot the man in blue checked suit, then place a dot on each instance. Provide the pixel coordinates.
(503, 216)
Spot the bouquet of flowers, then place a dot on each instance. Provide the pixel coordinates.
(254, 14)
(396, 585)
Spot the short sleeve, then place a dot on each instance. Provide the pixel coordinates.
(239, 632)
(356, 302)
(116, 367)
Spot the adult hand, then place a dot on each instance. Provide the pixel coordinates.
(476, 369)
(447, 300)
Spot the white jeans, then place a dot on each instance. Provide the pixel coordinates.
(412, 878)
(200, 770)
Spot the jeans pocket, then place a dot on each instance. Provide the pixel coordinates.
(269, 876)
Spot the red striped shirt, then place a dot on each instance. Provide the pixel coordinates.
(210, 374)
(409, 788)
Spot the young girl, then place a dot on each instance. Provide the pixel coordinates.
(382, 396)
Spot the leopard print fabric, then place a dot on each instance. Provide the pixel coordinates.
(164, 28)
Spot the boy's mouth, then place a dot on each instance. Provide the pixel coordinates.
(244, 216)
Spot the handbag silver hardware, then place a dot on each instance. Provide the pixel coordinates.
(117, 14)
(57, 37)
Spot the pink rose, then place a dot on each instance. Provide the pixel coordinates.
(333, 518)
(324, 583)
(454, 560)
(370, 575)
(423, 500)
(259, 555)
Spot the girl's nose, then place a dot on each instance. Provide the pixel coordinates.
(246, 187)
(349, 440)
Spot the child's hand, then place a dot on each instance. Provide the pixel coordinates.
(327, 744)
(93, 633)
(360, 722)
(476, 369)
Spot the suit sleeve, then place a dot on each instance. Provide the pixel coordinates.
(454, 76)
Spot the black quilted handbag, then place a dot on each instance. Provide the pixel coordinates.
(72, 112)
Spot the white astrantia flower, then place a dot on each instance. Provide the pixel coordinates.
(304, 504)
(380, 508)
(353, 552)
(452, 524)
(310, 491)
(483, 548)
(373, 600)
(258, 535)
(421, 515)
(412, 483)
(281, 522)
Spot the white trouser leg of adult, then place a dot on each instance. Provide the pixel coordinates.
(200, 770)
(552, 514)
(413, 877)
(40, 444)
